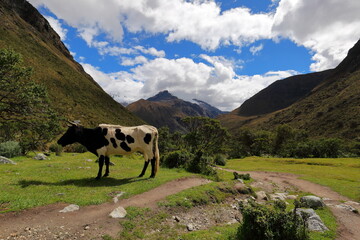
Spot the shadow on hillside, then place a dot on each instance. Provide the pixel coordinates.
(84, 182)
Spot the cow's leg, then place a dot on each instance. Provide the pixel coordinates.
(153, 167)
(146, 163)
(107, 164)
(101, 164)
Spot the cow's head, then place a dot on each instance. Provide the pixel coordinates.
(72, 134)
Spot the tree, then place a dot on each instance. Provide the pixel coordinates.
(205, 135)
(25, 112)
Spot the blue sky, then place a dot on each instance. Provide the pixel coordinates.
(221, 52)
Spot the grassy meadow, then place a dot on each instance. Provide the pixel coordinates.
(340, 174)
(70, 178)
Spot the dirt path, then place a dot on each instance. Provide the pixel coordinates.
(90, 222)
(349, 222)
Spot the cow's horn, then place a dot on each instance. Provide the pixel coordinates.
(74, 123)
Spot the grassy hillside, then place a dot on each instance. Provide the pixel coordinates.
(281, 94)
(331, 109)
(74, 94)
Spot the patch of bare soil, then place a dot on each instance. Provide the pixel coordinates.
(348, 221)
(90, 222)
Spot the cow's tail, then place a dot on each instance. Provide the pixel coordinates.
(156, 153)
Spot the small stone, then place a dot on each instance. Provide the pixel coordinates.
(278, 196)
(293, 197)
(261, 195)
(40, 156)
(118, 212)
(70, 208)
(190, 227)
(176, 218)
(86, 227)
(240, 180)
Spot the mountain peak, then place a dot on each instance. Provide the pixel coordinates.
(162, 96)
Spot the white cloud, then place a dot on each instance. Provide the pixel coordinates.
(56, 25)
(126, 61)
(328, 28)
(215, 83)
(256, 49)
(151, 51)
(120, 85)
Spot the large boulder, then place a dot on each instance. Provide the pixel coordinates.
(314, 222)
(312, 202)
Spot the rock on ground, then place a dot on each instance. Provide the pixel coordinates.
(312, 202)
(4, 160)
(347, 207)
(70, 208)
(278, 196)
(118, 212)
(314, 222)
(261, 195)
(40, 156)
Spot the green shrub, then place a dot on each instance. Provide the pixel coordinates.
(56, 148)
(177, 159)
(10, 149)
(245, 176)
(263, 223)
(75, 148)
(220, 159)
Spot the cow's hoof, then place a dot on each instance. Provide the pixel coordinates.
(97, 178)
(152, 176)
(141, 175)
(106, 175)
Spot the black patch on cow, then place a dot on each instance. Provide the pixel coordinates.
(113, 141)
(119, 135)
(105, 131)
(106, 142)
(130, 139)
(124, 146)
(147, 138)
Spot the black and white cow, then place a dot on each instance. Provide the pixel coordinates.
(106, 140)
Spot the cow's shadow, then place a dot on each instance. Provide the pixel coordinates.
(83, 182)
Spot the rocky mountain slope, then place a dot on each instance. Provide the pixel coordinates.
(73, 93)
(330, 109)
(164, 109)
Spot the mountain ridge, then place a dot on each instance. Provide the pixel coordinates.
(167, 110)
(330, 109)
(73, 92)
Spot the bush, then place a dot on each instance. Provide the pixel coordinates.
(177, 159)
(75, 148)
(56, 148)
(10, 149)
(220, 160)
(262, 223)
(245, 176)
